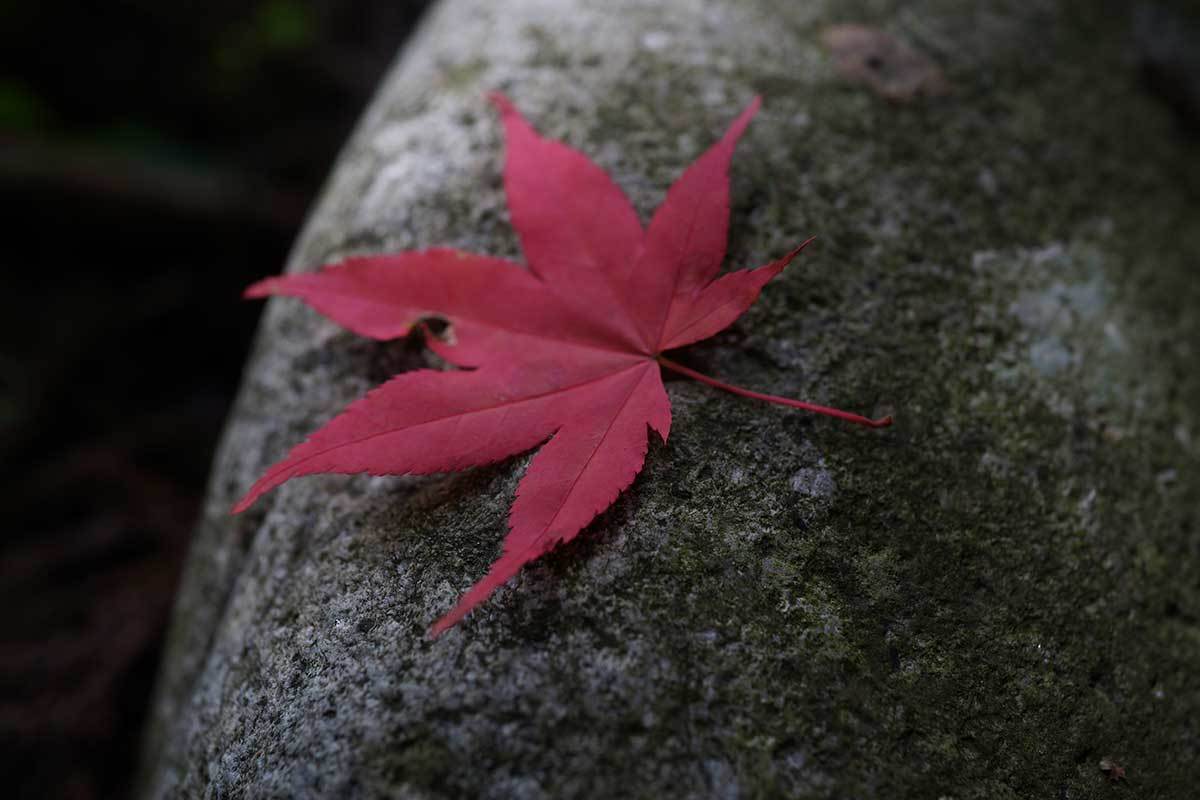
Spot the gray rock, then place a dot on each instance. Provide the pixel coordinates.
(983, 601)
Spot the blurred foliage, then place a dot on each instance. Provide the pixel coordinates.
(277, 28)
(255, 83)
(21, 109)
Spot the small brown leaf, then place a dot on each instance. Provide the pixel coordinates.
(890, 67)
(1110, 767)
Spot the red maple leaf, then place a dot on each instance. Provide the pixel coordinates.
(567, 352)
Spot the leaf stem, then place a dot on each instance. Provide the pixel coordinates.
(770, 398)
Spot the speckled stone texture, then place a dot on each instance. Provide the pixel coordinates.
(981, 602)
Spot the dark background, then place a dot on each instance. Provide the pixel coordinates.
(155, 158)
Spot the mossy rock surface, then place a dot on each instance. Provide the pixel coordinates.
(983, 601)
